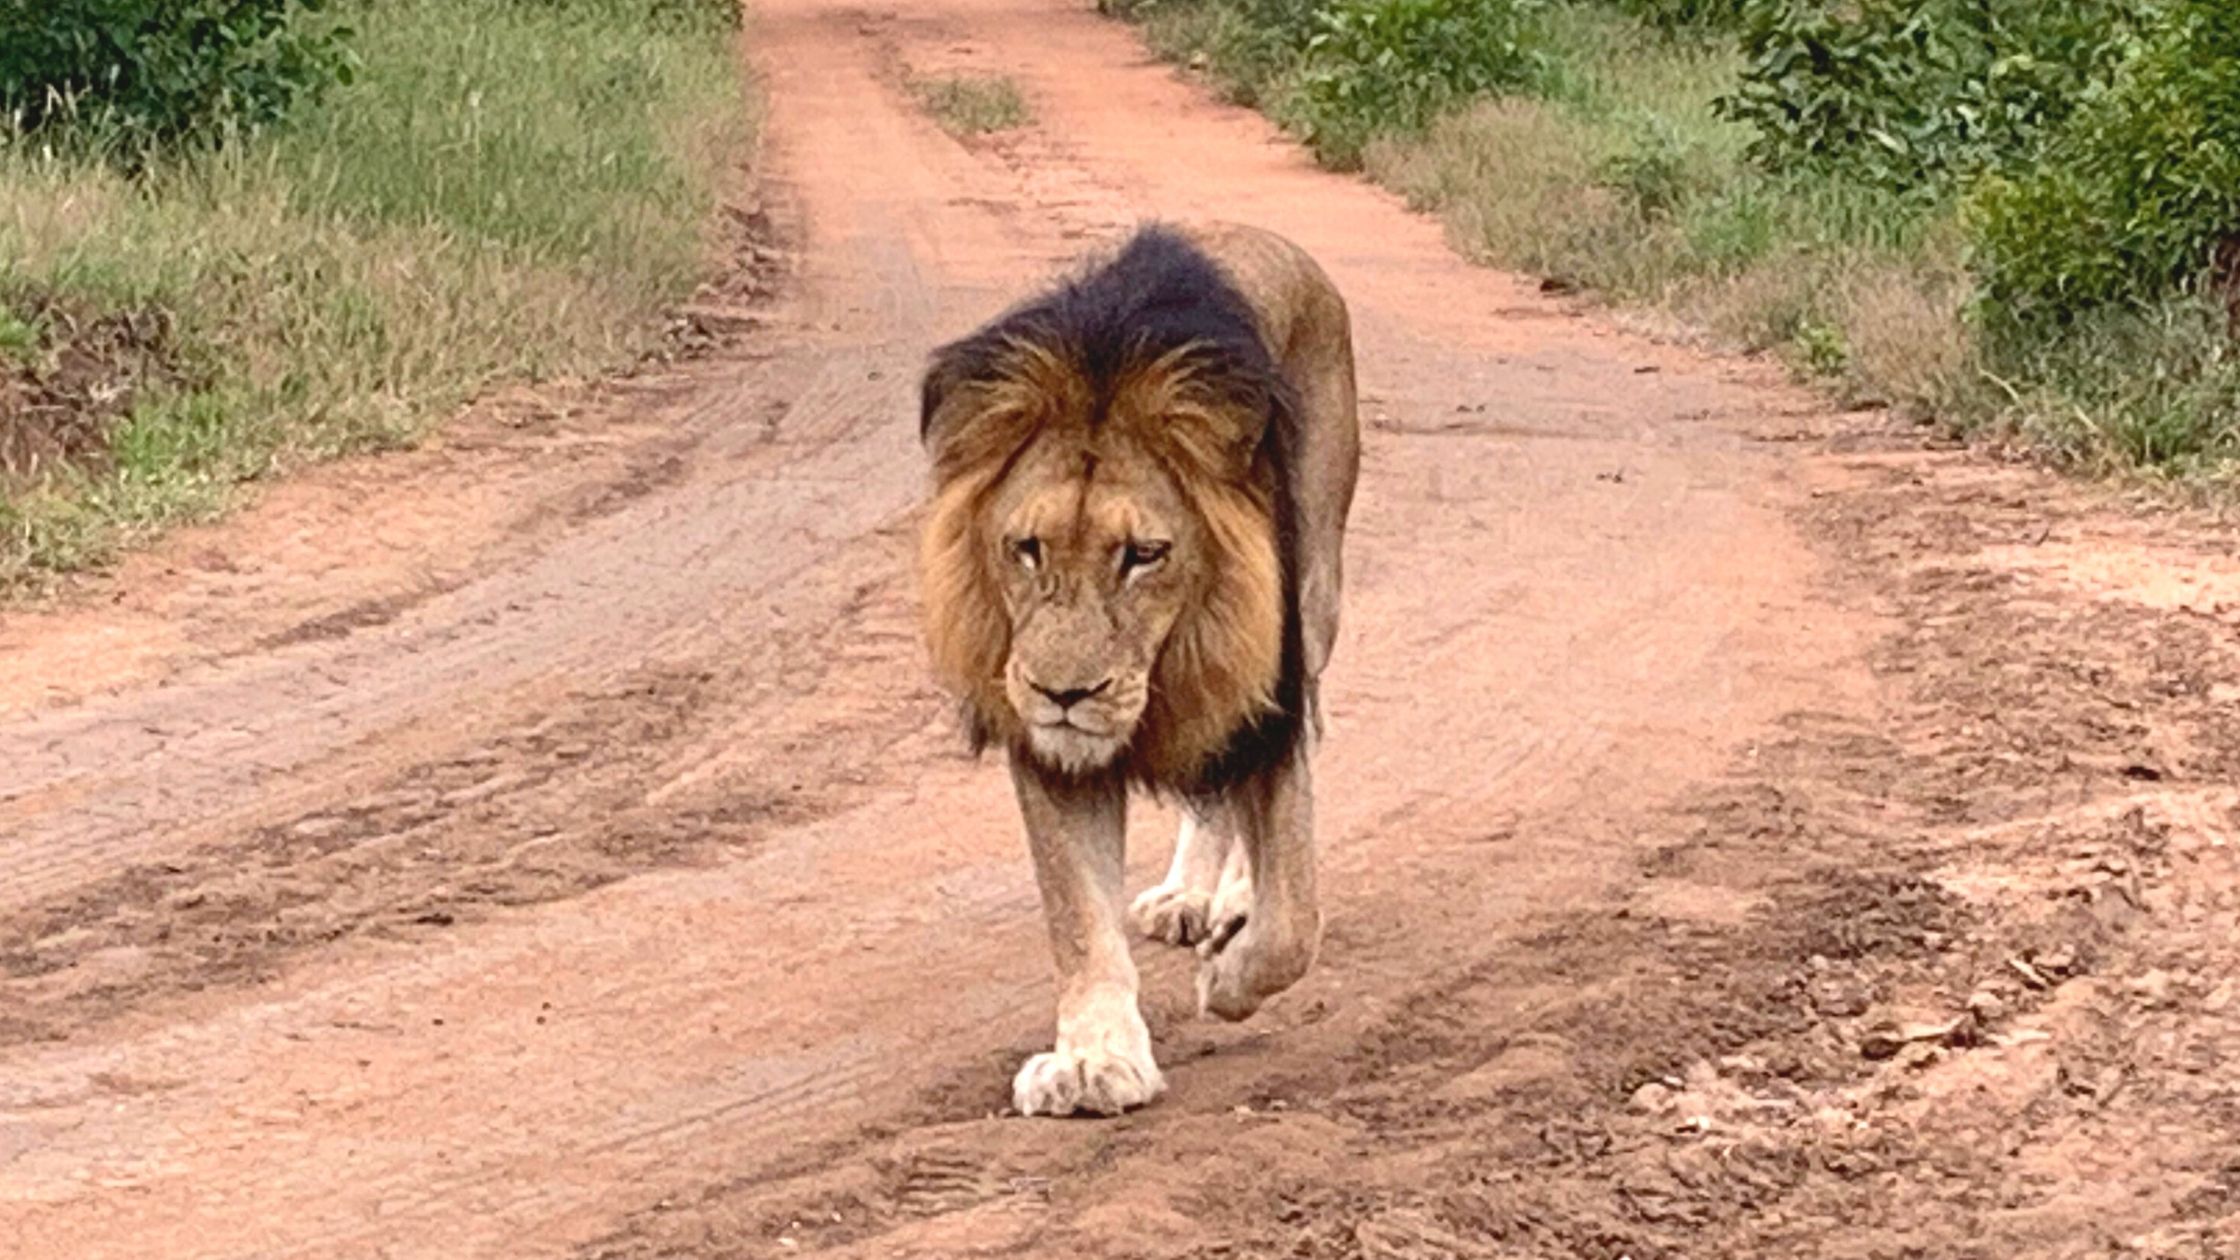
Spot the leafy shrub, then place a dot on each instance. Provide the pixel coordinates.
(163, 70)
(1901, 93)
(2136, 196)
(1390, 65)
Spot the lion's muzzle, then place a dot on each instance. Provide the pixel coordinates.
(1076, 728)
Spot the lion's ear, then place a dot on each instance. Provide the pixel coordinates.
(984, 398)
(949, 369)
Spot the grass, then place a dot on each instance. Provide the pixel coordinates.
(506, 191)
(1625, 181)
(1618, 175)
(971, 105)
(19, 337)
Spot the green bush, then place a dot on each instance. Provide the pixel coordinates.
(158, 71)
(1389, 65)
(2136, 196)
(1901, 93)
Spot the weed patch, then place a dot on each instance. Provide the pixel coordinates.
(971, 105)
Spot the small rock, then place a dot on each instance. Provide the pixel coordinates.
(1919, 1054)
(1839, 996)
(2153, 988)
(1654, 1098)
(319, 826)
(1880, 1042)
(68, 940)
(1887, 1039)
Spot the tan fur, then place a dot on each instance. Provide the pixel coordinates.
(1169, 668)
(1218, 670)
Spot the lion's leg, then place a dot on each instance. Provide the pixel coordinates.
(1328, 465)
(1251, 958)
(1177, 910)
(1102, 1062)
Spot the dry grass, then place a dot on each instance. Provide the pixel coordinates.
(1509, 177)
(1631, 186)
(1907, 339)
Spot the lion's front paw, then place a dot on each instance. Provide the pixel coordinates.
(1063, 1083)
(1172, 913)
(1102, 1065)
(1246, 961)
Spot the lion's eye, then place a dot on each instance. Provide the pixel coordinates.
(1027, 553)
(1139, 556)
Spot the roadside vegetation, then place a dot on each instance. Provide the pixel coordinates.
(2020, 217)
(236, 235)
(968, 105)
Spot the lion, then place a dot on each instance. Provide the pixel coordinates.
(1131, 570)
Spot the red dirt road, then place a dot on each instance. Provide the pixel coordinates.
(1746, 832)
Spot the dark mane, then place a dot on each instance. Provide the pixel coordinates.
(1162, 295)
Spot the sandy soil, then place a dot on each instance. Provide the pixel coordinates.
(1749, 831)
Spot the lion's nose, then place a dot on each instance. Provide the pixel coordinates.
(1070, 697)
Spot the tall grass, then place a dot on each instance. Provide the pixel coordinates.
(1626, 181)
(506, 191)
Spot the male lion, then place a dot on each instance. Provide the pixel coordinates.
(1131, 567)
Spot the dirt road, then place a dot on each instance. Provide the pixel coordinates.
(1747, 832)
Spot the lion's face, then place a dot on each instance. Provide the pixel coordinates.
(1097, 556)
(1105, 584)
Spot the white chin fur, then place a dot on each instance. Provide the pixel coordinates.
(1071, 749)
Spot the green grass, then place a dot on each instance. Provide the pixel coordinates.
(507, 191)
(1618, 175)
(971, 105)
(19, 337)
